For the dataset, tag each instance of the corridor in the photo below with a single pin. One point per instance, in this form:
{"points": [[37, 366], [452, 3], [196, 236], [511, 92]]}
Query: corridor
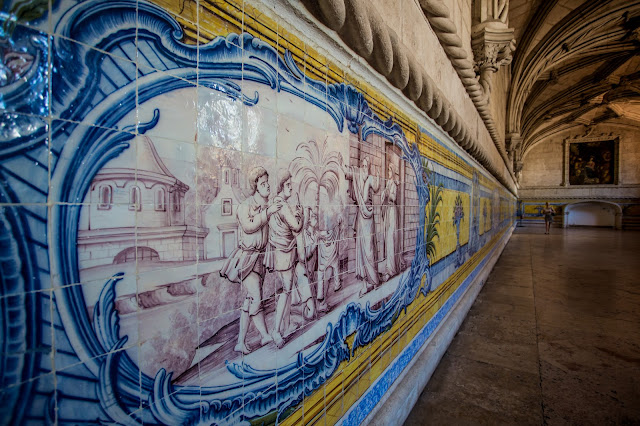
{"points": [[553, 337]]}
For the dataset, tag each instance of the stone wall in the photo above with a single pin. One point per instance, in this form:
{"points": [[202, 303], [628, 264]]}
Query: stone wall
{"points": [[544, 165], [543, 179]]}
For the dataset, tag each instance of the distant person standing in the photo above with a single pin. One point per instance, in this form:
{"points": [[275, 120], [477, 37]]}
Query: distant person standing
{"points": [[548, 213]]}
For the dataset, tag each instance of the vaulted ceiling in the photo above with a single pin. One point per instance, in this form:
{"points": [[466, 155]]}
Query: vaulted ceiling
{"points": [[577, 64]]}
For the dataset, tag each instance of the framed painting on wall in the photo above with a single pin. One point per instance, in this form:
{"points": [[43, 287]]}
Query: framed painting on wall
{"points": [[591, 161]]}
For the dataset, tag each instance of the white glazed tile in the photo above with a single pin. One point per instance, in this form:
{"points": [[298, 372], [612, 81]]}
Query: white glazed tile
{"points": [[220, 120]]}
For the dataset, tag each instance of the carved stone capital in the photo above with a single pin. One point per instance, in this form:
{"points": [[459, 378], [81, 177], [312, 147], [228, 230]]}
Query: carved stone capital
{"points": [[492, 43], [517, 167], [513, 142]]}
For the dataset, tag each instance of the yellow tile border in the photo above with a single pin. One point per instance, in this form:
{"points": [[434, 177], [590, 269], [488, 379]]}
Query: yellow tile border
{"points": [[436, 152], [419, 312]]}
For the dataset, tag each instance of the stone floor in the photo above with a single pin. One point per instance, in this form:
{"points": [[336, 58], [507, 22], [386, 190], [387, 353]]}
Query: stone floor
{"points": [[553, 337]]}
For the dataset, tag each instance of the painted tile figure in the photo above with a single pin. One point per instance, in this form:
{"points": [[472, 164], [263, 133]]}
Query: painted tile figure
{"points": [[245, 265], [328, 261], [458, 216], [280, 258], [363, 184], [307, 245], [393, 259]]}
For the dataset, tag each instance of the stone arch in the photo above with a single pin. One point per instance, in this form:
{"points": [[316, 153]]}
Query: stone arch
{"points": [[576, 206]]}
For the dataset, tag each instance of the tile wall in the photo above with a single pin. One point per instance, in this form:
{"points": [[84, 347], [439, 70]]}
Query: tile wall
{"points": [[204, 220]]}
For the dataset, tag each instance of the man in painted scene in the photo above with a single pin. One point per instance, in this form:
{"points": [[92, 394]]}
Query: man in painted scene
{"points": [[307, 244], [328, 243], [281, 255], [364, 185], [245, 265]]}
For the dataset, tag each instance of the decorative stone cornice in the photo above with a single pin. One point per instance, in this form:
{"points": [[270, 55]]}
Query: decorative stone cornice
{"points": [[361, 27], [439, 17], [588, 136], [622, 193]]}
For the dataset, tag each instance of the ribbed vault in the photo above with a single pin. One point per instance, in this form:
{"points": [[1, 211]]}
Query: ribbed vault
{"points": [[577, 65]]}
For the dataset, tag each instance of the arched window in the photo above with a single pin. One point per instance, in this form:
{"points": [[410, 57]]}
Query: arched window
{"points": [[132, 254], [134, 198], [105, 197], [160, 200], [226, 177]]}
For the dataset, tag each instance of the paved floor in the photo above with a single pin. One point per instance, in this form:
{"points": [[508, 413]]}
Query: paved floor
{"points": [[553, 337]]}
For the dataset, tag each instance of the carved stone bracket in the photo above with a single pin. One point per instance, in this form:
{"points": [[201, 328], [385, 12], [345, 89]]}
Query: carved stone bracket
{"points": [[493, 44], [513, 143], [517, 167], [439, 17]]}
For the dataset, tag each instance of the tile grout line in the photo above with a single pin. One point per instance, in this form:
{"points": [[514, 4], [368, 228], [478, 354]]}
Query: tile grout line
{"points": [[535, 320]]}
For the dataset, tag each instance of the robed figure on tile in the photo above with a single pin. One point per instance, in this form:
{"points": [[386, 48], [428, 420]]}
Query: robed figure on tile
{"points": [[392, 254], [363, 186], [245, 265]]}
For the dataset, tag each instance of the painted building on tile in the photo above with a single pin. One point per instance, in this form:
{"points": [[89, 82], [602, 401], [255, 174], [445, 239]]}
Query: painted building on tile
{"points": [[223, 238], [137, 213], [216, 212]]}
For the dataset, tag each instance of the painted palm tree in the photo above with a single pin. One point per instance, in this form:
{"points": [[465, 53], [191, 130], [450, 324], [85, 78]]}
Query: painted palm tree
{"points": [[433, 215], [316, 168], [458, 216]]}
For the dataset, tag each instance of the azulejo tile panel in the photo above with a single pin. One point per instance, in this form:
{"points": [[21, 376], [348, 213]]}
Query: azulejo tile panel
{"points": [[203, 220]]}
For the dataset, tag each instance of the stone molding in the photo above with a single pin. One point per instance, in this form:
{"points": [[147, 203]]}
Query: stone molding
{"points": [[513, 142], [596, 192], [362, 28], [439, 17]]}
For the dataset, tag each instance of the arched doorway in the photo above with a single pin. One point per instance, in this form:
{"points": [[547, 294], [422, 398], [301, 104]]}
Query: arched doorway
{"points": [[592, 213]]}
